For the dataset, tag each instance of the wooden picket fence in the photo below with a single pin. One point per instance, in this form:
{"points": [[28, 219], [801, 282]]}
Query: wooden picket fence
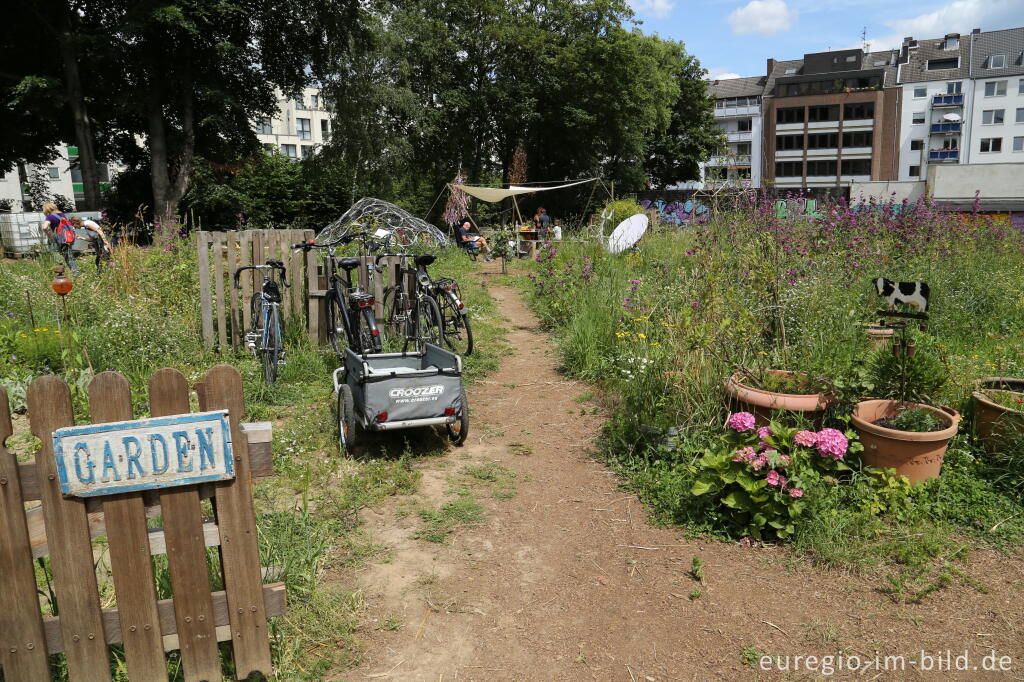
{"points": [[225, 311], [62, 528]]}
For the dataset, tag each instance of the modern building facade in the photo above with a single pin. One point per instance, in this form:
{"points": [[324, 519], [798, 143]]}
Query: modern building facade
{"points": [[63, 175], [302, 124], [738, 114], [997, 115]]}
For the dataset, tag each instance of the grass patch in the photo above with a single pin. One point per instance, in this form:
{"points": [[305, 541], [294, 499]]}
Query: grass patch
{"points": [[438, 524], [500, 479]]}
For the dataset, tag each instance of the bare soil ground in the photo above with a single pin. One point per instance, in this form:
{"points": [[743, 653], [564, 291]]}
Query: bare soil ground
{"points": [[567, 580]]}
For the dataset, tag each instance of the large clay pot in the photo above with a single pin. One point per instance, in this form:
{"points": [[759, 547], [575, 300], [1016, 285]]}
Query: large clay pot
{"points": [[761, 402], [918, 456], [994, 422], [878, 335]]}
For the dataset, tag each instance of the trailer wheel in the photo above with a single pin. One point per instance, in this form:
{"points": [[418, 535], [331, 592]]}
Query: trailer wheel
{"points": [[458, 430], [348, 428]]}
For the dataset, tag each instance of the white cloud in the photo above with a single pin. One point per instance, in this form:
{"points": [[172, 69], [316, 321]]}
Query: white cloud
{"points": [[764, 17], [720, 73], [959, 16], [659, 9]]}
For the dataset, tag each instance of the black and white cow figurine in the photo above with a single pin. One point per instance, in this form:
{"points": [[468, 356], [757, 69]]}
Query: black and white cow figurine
{"points": [[909, 293]]}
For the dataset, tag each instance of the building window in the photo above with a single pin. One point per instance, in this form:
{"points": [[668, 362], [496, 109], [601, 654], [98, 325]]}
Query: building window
{"points": [[821, 168], [918, 117], [823, 141], [788, 142], [53, 172], [995, 88], [743, 125], [916, 145], [920, 92], [952, 43], [790, 71], [951, 143], [954, 88], [743, 149], [992, 116], [860, 138], [299, 103], [1018, 144], [823, 114], [289, 151], [265, 127], [790, 115], [314, 101], [303, 129], [860, 110], [856, 167], [992, 144], [943, 64], [270, 147], [789, 169], [1020, 87], [1020, 115], [325, 130], [307, 151], [915, 171], [997, 61]]}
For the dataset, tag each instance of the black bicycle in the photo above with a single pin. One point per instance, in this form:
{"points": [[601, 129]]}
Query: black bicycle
{"points": [[350, 319], [264, 336], [458, 333], [410, 311]]}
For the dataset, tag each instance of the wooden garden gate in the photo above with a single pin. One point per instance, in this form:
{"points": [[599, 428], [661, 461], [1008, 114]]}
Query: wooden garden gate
{"points": [[196, 617]]}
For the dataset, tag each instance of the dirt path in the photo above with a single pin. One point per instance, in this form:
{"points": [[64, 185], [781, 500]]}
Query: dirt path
{"points": [[567, 581]]}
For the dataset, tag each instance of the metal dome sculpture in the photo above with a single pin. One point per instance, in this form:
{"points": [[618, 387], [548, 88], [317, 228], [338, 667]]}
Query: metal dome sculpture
{"points": [[372, 214]]}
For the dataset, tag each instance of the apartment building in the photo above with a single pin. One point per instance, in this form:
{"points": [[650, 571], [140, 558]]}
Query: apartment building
{"points": [[301, 125], [830, 119], [996, 116], [63, 174], [738, 114]]}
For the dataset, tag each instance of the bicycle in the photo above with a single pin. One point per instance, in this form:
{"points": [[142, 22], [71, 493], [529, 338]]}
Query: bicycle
{"points": [[264, 335], [458, 334], [350, 319], [414, 315]]}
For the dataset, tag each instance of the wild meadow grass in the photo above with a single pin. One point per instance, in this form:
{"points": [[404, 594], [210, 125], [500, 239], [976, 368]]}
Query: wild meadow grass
{"points": [[661, 327], [142, 314]]}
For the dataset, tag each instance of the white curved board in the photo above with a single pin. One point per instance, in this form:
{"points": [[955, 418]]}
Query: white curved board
{"points": [[627, 233]]}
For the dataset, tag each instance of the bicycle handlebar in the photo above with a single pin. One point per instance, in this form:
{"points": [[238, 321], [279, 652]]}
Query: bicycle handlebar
{"points": [[272, 264]]}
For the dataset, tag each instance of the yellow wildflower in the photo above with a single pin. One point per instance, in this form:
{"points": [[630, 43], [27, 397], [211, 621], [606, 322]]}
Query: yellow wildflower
{"points": [[642, 336]]}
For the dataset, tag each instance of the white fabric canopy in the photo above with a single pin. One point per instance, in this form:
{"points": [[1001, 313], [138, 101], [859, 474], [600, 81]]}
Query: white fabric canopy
{"points": [[496, 194]]}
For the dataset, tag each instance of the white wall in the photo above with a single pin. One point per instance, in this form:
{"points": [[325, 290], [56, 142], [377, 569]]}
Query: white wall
{"points": [[1009, 129], [994, 181], [886, 191], [285, 125]]}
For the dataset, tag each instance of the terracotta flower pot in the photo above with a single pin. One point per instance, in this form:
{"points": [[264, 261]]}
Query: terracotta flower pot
{"points": [[761, 402], [992, 421], [918, 456], [878, 335]]}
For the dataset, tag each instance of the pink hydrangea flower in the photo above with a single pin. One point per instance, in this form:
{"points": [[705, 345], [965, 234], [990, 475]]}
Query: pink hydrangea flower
{"points": [[773, 477], [740, 421], [796, 492], [805, 438], [746, 454], [760, 462], [831, 443], [764, 432], [784, 460]]}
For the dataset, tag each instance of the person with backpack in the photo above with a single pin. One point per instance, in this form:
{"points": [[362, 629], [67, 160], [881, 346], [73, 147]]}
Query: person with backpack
{"points": [[62, 234], [90, 236]]}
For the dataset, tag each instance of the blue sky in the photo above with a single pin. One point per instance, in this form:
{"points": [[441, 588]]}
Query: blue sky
{"points": [[735, 37]]}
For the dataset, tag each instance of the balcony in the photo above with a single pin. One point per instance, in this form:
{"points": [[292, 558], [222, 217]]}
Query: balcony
{"points": [[736, 136], [730, 160], [943, 154], [725, 112], [945, 128], [955, 100]]}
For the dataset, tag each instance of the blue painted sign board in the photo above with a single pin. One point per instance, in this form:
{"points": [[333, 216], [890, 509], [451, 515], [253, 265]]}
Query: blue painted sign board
{"points": [[144, 454]]}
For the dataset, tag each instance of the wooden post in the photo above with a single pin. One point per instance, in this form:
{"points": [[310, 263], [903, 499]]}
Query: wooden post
{"points": [[23, 652], [202, 243], [245, 258], [67, 530], [232, 241], [217, 249], [236, 519], [282, 255], [313, 304], [110, 399], [186, 558]]}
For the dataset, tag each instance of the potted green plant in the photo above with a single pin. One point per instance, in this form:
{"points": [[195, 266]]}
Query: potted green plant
{"points": [[761, 392], [998, 408], [901, 429]]}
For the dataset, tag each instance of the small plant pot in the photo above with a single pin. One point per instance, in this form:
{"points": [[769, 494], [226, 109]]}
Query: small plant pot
{"points": [[993, 422], [878, 335], [762, 403], [918, 456]]}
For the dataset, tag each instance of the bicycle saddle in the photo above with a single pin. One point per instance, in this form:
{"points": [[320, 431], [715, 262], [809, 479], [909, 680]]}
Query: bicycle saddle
{"points": [[425, 259], [349, 263]]}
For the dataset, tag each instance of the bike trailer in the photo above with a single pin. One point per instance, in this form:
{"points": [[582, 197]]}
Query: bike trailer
{"points": [[403, 390]]}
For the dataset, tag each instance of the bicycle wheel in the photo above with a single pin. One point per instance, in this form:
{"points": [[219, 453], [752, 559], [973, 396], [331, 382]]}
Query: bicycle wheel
{"points": [[337, 334], [395, 318], [348, 426], [459, 429], [369, 336], [255, 334], [458, 335], [271, 349], [428, 323]]}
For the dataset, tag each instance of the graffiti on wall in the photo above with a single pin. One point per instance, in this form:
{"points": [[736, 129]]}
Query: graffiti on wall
{"points": [[677, 212]]}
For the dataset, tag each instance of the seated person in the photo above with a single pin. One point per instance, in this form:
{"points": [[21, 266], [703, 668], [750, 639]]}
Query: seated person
{"points": [[465, 238]]}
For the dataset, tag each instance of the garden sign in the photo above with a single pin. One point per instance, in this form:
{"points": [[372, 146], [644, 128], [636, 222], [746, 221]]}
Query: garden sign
{"points": [[121, 457]]}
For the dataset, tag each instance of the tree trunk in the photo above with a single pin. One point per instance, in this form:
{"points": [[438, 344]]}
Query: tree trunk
{"points": [[83, 125], [169, 187], [157, 155]]}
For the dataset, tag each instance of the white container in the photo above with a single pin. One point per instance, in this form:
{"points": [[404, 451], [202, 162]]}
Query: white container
{"points": [[20, 234]]}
